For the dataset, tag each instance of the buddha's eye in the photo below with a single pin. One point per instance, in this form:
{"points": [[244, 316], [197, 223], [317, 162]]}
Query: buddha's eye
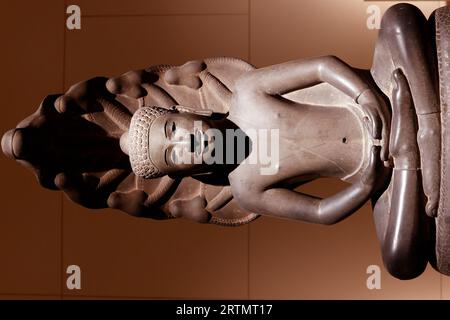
{"points": [[174, 127], [173, 157]]}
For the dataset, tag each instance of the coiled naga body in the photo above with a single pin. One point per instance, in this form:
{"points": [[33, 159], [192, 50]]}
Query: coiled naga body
{"points": [[161, 142]]}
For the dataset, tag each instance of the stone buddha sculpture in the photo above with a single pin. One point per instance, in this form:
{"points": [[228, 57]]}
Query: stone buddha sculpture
{"points": [[219, 141]]}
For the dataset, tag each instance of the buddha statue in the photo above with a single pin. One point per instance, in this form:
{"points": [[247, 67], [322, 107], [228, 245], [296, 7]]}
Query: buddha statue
{"points": [[220, 141]]}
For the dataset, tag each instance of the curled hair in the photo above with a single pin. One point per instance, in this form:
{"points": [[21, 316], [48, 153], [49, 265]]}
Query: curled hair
{"points": [[139, 141]]}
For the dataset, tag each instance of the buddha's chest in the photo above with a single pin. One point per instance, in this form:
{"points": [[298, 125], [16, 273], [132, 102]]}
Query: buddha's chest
{"points": [[297, 139]]}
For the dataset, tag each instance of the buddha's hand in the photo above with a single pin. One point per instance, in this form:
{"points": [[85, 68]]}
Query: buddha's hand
{"points": [[403, 143], [377, 119]]}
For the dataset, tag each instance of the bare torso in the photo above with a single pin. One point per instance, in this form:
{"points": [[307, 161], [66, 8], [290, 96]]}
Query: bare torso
{"points": [[312, 139]]}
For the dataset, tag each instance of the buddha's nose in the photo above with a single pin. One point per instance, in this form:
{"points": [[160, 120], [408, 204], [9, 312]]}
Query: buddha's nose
{"points": [[12, 143]]}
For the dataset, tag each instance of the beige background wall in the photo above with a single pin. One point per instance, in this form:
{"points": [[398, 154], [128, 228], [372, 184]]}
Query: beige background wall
{"points": [[41, 232]]}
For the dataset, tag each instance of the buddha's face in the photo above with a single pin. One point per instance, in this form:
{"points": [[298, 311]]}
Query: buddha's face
{"points": [[181, 142]]}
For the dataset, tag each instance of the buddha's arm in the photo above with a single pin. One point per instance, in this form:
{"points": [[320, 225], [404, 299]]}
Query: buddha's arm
{"points": [[290, 204], [298, 74], [294, 205], [295, 75]]}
